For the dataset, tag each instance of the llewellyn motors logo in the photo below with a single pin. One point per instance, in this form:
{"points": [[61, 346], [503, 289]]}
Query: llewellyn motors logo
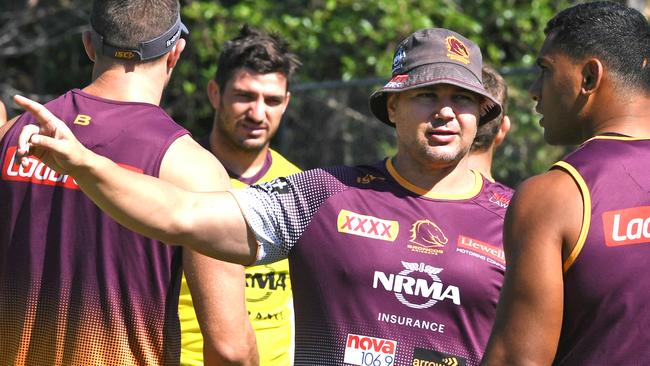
{"points": [[627, 226], [481, 250], [368, 226], [427, 238], [427, 357]]}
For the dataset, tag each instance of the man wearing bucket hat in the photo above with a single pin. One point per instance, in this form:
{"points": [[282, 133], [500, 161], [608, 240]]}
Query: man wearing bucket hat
{"points": [[394, 263], [77, 288]]}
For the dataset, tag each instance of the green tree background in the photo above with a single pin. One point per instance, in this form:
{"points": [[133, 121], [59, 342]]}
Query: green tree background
{"points": [[346, 47]]}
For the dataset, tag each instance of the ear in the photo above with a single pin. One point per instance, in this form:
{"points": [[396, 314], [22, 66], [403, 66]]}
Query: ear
{"points": [[286, 101], [391, 106], [503, 131], [214, 95], [592, 75], [87, 40], [175, 53]]}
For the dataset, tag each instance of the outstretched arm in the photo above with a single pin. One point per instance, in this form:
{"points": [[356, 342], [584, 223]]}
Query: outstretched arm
{"points": [[210, 223], [542, 224]]}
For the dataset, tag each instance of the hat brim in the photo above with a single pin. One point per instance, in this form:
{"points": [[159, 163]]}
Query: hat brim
{"points": [[432, 74]]}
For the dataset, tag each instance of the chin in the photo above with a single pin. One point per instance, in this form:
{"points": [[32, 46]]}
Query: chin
{"points": [[252, 146], [562, 140]]}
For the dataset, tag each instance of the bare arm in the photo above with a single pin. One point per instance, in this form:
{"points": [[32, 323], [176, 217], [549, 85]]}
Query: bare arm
{"points": [[3, 114], [219, 301], [4, 124], [543, 222], [217, 287], [210, 223]]}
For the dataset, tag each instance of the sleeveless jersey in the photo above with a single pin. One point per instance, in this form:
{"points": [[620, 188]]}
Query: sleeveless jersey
{"points": [[606, 280], [268, 293], [76, 288], [383, 273]]}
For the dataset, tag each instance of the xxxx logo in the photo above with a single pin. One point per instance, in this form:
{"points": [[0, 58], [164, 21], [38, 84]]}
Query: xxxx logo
{"points": [[368, 226]]}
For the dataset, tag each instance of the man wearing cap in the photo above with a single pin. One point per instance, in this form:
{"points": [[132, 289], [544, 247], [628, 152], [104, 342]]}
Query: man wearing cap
{"points": [[395, 263], [77, 288]]}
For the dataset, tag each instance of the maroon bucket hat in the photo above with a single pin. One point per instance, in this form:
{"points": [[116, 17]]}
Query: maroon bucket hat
{"points": [[436, 56]]}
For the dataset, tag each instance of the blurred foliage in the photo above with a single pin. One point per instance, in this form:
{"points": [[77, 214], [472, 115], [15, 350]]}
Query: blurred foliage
{"points": [[340, 40]]}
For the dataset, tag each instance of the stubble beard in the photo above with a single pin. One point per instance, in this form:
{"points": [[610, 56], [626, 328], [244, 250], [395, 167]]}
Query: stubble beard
{"points": [[239, 143]]}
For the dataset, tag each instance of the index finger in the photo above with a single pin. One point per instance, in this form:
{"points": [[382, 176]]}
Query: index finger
{"points": [[45, 118]]}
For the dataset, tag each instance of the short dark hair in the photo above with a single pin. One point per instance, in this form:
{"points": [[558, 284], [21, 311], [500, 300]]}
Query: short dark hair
{"points": [[256, 50], [616, 34], [127, 23], [495, 85]]}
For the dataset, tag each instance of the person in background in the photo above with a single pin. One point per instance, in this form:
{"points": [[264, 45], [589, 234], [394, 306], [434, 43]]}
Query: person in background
{"points": [[490, 134], [76, 287], [393, 263], [3, 114], [249, 93], [576, 237]]}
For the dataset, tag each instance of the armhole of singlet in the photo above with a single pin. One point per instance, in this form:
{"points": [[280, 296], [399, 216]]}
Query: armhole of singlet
{"points": [[586, 213]]}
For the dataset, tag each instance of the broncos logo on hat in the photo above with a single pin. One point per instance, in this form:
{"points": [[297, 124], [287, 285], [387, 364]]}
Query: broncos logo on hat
{"points": [[457, 50]]}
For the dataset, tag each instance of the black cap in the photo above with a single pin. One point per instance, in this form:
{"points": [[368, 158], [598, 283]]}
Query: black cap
{"points": [[147, 50]]}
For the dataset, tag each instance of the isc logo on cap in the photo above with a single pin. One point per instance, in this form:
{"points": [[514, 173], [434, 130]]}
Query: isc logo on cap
{"points": [[124, 54]]}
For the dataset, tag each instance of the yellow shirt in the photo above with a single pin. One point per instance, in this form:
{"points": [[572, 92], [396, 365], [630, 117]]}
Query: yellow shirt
{"points": [[268, 300]]}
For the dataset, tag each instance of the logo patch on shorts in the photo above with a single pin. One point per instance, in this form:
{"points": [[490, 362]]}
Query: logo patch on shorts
{"points": [[427, 357]]}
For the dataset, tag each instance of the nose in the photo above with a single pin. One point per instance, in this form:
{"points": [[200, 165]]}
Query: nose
{"points": [[444, 114], [257, 110], [534, 90]]}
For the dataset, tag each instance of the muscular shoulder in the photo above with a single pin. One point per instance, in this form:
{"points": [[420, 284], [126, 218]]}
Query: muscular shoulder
{"points": [[188, 165], [547, 207]]}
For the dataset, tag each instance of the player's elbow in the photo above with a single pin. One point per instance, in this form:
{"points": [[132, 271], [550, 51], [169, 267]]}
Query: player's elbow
{"points": [[231, 354]]}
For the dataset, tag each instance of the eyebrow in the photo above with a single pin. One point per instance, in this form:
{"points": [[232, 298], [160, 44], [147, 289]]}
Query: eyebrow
{"points": [[245, 91]]}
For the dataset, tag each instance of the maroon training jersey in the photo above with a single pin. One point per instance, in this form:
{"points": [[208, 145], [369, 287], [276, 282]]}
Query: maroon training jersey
{"points": [[76, 288], [382, 272], [607, 276]]}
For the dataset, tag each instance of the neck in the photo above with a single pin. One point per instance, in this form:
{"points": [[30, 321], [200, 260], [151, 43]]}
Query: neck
{"points": [[481, 161], [448, 178], [619, 113], [120, 83], [244, 163]]}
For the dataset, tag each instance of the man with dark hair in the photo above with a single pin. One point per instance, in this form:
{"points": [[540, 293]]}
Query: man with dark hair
{"points": [[77, 288], [577, 237], [394, 263], [490, 134], [249, 94]]}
